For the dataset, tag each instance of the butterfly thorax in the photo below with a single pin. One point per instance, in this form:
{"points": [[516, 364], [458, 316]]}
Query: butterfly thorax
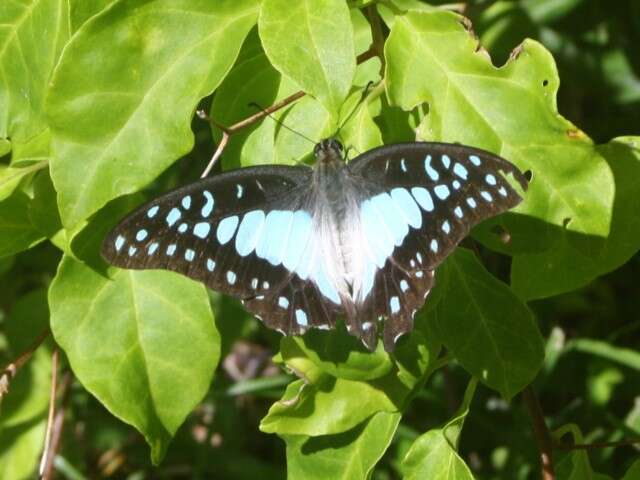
{"points": [[336, 196]]}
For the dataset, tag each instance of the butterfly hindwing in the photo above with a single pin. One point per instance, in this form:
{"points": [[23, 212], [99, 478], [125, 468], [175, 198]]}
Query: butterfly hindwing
{"points": [[425, 197]]}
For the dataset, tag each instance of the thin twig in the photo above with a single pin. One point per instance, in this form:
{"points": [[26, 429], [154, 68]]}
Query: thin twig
{"points": [[10, 370], [56, 429], [541, 433], [593, 446], [52, 411], [228, 131]]}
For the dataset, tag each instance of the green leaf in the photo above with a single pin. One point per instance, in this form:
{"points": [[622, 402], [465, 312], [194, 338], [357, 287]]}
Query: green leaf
{"points": [[566, 266], [311, 41], [17, 233], [11, 177], [43, 209], [83, 10], [573, 465], [361, 132], [347, 455], [24, 408], [472, 102], [309, 118], [28, 396], [20, 447], [5, 147], [321, 404], [434, 454], [329, 405], [143, 342], [634, 471], [32, 34], [624, 356], [36, 149], [338, 354], [253, 80], [123, 94], [486, 326]]}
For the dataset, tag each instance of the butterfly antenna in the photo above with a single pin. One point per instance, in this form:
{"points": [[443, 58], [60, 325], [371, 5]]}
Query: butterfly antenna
{"points": [[363, 99], [281, 123]]}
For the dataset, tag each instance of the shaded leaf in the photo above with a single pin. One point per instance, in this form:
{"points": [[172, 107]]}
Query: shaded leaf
{"points": [[434, 454], [17, 233], [28, 396], [253, 80], [143, 342], [624, 356], [486, 326], [43, 209], [340, 355], [634, 471]]}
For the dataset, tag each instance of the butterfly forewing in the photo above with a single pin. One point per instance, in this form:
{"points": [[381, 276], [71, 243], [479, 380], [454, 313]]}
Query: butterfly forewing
{"points": [[430, 195], [225, 232]]}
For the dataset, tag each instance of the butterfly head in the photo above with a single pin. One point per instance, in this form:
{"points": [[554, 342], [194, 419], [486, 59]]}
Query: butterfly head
{"points": [[329, 151]]}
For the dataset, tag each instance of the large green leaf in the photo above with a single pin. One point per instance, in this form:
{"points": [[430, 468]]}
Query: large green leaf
{"points": [[123, 94], [32, 34], [348, 455], [563, 267], [511, 111], [144, 343], [311, 41], [485, 325], [17, 233]]}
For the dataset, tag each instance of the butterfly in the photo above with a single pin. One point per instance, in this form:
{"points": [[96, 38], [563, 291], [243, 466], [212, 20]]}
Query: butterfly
{"points": [[304, 246]]}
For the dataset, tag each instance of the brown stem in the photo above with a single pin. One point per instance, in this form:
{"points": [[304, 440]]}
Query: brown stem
{"points": [[11, 370], [593, 446], [228, 131], [55, 427], [52, 411], [541, 432]]}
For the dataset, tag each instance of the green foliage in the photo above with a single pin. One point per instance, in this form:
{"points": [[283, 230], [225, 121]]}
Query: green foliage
{"points": [[96, 110]]}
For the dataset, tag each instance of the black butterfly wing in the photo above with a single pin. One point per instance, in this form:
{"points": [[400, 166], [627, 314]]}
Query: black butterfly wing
{"points": [[238, 232], [435, 193]]}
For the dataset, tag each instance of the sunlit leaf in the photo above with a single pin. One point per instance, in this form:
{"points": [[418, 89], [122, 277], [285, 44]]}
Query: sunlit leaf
{"points": [[348, 455], [143, 343], [311, 41], [32, 34], [122, 96]]}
